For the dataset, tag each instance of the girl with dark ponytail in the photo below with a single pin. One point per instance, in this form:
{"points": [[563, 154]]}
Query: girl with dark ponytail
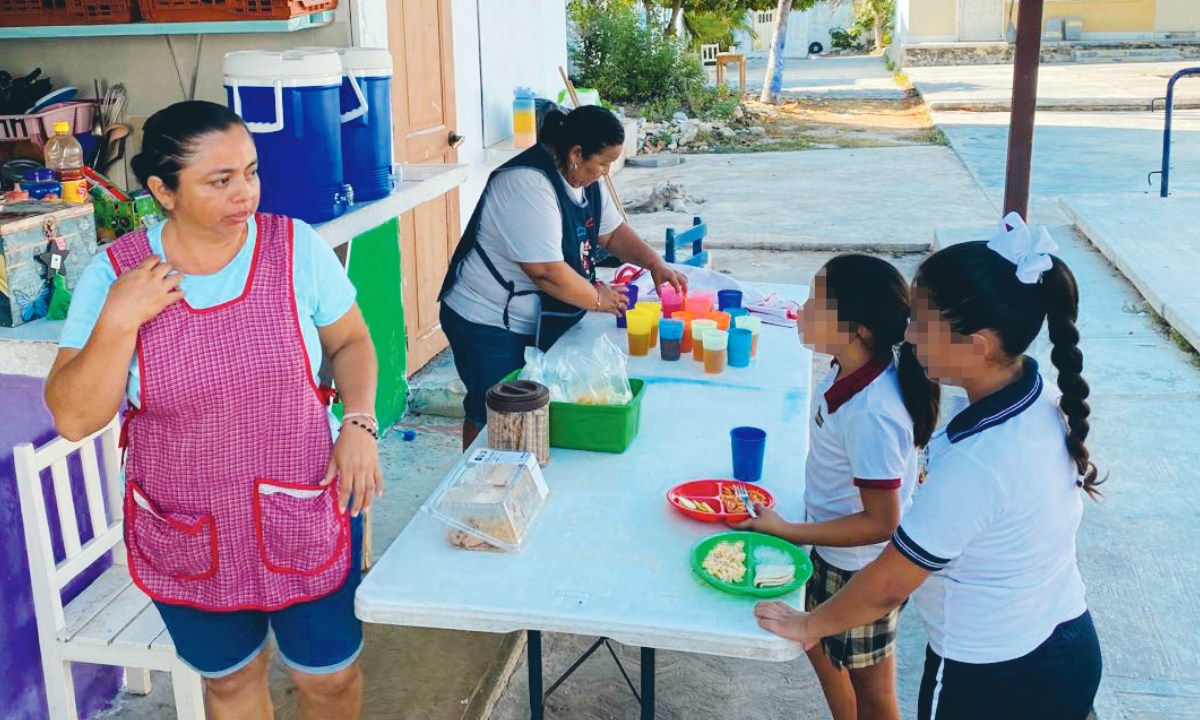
{"points": [[989, 545], [873, 411]]}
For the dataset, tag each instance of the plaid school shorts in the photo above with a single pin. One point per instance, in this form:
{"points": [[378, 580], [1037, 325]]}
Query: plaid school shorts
{"points": [[859, 647]]}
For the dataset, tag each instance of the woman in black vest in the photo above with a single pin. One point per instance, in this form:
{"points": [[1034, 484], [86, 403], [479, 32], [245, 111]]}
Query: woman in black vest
{"points": [[524, 273]]}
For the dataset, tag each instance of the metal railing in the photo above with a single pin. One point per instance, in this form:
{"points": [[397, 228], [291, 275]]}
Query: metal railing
{"points": [[1169, 106]]}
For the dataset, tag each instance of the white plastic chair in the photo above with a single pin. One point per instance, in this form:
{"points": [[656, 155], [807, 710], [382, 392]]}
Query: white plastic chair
{"points": [[708, 54], [111, 622]]}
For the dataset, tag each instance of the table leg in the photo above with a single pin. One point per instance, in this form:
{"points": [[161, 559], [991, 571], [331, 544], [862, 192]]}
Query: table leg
{"points": [[647, 683], [742, 76], [533, 653], [720, 73]]}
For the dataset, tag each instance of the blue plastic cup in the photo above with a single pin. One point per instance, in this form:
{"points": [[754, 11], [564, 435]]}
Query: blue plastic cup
{"points": [[670, 339], [729, 299], [631, 291], [735, 313], [741, 341], [749, 446]]}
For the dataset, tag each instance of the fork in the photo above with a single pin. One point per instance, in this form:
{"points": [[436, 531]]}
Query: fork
{"points": [[744, 495]]}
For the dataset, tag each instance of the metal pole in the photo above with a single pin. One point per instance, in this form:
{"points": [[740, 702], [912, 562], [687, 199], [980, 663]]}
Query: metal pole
{"points": [[1024, 106]]}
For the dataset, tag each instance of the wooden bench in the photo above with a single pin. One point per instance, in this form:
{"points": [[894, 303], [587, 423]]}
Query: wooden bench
{"points": [[693, 236], [112, 622]]}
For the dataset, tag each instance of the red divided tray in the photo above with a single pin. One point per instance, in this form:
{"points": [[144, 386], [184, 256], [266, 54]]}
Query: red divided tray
{"points": [[711, 493], [28, 13], [210, 10]]}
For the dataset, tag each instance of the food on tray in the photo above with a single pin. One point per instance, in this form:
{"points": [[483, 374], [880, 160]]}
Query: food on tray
{"points": [[727, 562], [734, 504], [773, 575], [767, 555], [694, 505], [464, 540]]}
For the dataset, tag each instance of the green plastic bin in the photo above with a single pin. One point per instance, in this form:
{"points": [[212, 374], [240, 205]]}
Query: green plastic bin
{"points": [[595, 428]]}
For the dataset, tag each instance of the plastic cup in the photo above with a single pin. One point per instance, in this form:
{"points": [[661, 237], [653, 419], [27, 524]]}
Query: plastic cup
{"points": [[631, 292], [639, 322], [672, 301], [722, 319], [697, 304], [754, 325], [716, 348], [670, 336], [699, 328], [736, 313], [685, 345], [749, 445], [729, 299], [655, 310], [741, 343]]}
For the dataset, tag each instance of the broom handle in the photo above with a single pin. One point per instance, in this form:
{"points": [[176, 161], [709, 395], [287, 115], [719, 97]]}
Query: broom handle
{"points": [[608, 182]]}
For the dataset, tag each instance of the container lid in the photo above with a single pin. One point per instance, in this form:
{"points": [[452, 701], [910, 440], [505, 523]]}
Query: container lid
{"points": [[39, 175], [316, 64], [62, 127], [518, 396], [372, 60]]}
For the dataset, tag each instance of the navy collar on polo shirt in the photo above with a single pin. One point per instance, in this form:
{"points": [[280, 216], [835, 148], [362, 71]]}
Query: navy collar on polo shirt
{"points": [[841, 391], [1002, 405]]}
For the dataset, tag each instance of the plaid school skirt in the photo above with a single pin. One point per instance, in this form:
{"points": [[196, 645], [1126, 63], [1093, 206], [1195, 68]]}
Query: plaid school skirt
{"points": [[859, 647]]}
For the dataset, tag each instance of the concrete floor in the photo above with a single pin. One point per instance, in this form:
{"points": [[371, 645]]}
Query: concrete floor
{"points": [[856, 77], [882, 198], [1126, 86]]}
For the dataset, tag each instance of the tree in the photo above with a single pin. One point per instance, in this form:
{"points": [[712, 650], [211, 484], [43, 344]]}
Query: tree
{"points": [[881, 13], [773, 82]]}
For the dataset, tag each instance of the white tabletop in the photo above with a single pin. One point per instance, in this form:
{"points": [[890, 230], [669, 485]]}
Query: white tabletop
{"points": [[609, 557]]}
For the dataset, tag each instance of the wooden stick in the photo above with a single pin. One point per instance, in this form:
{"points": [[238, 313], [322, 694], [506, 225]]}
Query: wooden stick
{"points": [[608, 182]]}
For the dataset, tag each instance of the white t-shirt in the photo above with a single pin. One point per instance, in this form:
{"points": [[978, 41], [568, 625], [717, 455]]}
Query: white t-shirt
{"points": [[995, 521], [521, 223], [860, 435]]}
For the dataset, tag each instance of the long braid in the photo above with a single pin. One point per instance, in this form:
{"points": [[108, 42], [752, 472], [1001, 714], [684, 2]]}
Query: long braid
{"points": [[1062, 310]]}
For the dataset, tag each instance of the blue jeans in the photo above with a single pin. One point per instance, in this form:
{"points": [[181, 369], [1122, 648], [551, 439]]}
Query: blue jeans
{"points": [[483, 355]]}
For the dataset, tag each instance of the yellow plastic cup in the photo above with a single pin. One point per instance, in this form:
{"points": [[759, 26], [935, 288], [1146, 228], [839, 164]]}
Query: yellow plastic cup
{"points": [[655, 310], [638, 322]]}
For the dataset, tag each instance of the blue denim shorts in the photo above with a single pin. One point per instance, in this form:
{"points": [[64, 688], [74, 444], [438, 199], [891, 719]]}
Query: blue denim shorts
{"points": [[483, 356], [317, 637]]}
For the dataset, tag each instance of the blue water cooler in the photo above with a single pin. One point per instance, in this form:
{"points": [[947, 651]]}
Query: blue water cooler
{"points": [[366, 107], [290, 101]]}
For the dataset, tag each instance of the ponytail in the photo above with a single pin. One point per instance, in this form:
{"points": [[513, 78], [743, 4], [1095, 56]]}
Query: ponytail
{"points": [[1062, 309], [922, 396]]}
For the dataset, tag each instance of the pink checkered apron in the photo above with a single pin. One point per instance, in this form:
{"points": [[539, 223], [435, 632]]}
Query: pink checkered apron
{"points": [[223, 507]]}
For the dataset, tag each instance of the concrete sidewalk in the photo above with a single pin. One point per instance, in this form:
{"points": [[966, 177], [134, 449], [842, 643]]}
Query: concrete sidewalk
{"points": [[870, 198], [1065, 86], [850, 77]]}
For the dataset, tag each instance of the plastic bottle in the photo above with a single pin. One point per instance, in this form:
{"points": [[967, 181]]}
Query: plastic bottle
{"points": [[524, 118], [64, 155]]}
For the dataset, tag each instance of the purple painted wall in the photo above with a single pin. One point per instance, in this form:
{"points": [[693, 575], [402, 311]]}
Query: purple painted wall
{"points": [[22, 692]]}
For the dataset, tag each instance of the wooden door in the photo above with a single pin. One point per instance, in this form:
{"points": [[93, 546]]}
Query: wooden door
{"points": [[419, 36]]}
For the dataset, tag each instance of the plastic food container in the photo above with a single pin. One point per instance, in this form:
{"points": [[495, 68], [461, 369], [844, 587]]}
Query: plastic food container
{"points": [[518, 414], [491, 501], [595, 428]]}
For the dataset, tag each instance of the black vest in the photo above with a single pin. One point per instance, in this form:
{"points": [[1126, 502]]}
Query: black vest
{"points": [[580, 238]]}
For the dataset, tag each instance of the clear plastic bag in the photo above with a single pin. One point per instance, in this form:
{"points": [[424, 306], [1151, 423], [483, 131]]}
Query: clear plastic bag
{"points": [[573, 377]]}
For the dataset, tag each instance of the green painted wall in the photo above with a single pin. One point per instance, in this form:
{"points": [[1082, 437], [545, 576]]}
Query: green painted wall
{"points": [[375, 271]]}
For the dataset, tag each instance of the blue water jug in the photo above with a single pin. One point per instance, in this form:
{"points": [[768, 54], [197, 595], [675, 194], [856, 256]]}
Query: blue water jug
{"points": [[289, 101], [366, 107]]}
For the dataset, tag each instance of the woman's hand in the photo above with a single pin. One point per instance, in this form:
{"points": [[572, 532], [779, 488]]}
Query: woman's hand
{"points": [[140, 294], [786, 622], [610, 301], [355, 463], [665, 274]]}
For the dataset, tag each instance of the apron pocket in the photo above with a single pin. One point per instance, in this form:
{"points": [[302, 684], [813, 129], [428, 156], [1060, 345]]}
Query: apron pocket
{"points": [[300, 531], [181, 545]]}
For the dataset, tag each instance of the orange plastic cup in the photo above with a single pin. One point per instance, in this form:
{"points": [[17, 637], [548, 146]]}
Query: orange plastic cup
{"points": [[700, 328], [723, 319], [685, 345]]}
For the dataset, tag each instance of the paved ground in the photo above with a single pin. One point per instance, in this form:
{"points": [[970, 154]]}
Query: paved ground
{"points": [[848, 77], [1124, 86], [888, 198]]}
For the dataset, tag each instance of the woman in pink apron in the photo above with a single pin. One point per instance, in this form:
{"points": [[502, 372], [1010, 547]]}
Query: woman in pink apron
{"points": [[242, 512]]}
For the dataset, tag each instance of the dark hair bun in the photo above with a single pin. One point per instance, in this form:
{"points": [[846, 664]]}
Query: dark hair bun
{"points": [[169, 138], [591, 128]]}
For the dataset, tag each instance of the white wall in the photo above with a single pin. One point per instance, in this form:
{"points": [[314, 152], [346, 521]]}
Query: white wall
{"points": [[804, 28], [498, 46]]}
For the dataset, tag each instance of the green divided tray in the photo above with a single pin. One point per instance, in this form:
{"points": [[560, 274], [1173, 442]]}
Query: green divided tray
{"points": [[804, 567], [595, 428]]}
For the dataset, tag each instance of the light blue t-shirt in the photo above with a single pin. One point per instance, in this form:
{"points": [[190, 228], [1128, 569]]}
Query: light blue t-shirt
{"points": [[323, 292]]}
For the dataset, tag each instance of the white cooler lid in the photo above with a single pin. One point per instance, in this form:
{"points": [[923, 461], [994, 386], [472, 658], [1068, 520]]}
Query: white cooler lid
{"points": [[372, 62], [304, 66]]}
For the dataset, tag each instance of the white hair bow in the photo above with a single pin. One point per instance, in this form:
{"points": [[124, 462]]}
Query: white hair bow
{"points": [[1026, 247]]}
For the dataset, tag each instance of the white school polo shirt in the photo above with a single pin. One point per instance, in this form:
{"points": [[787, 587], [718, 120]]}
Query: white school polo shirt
{"points": [[860, 436], [995, 521]]}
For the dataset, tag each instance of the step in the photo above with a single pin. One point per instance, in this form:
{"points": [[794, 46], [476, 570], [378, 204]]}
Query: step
{"points": [[1103, 55]]}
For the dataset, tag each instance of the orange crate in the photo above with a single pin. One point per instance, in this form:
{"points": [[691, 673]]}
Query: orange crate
{"points": [[210, 10], [26, 13]]}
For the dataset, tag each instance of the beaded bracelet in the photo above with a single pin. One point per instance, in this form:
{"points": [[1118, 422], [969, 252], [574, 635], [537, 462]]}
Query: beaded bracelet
{"points": [[369, 417], [364, 426]]}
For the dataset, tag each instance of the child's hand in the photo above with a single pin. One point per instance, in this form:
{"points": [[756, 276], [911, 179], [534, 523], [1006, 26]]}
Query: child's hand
{"points": [[786, 622], [768, 522]]}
